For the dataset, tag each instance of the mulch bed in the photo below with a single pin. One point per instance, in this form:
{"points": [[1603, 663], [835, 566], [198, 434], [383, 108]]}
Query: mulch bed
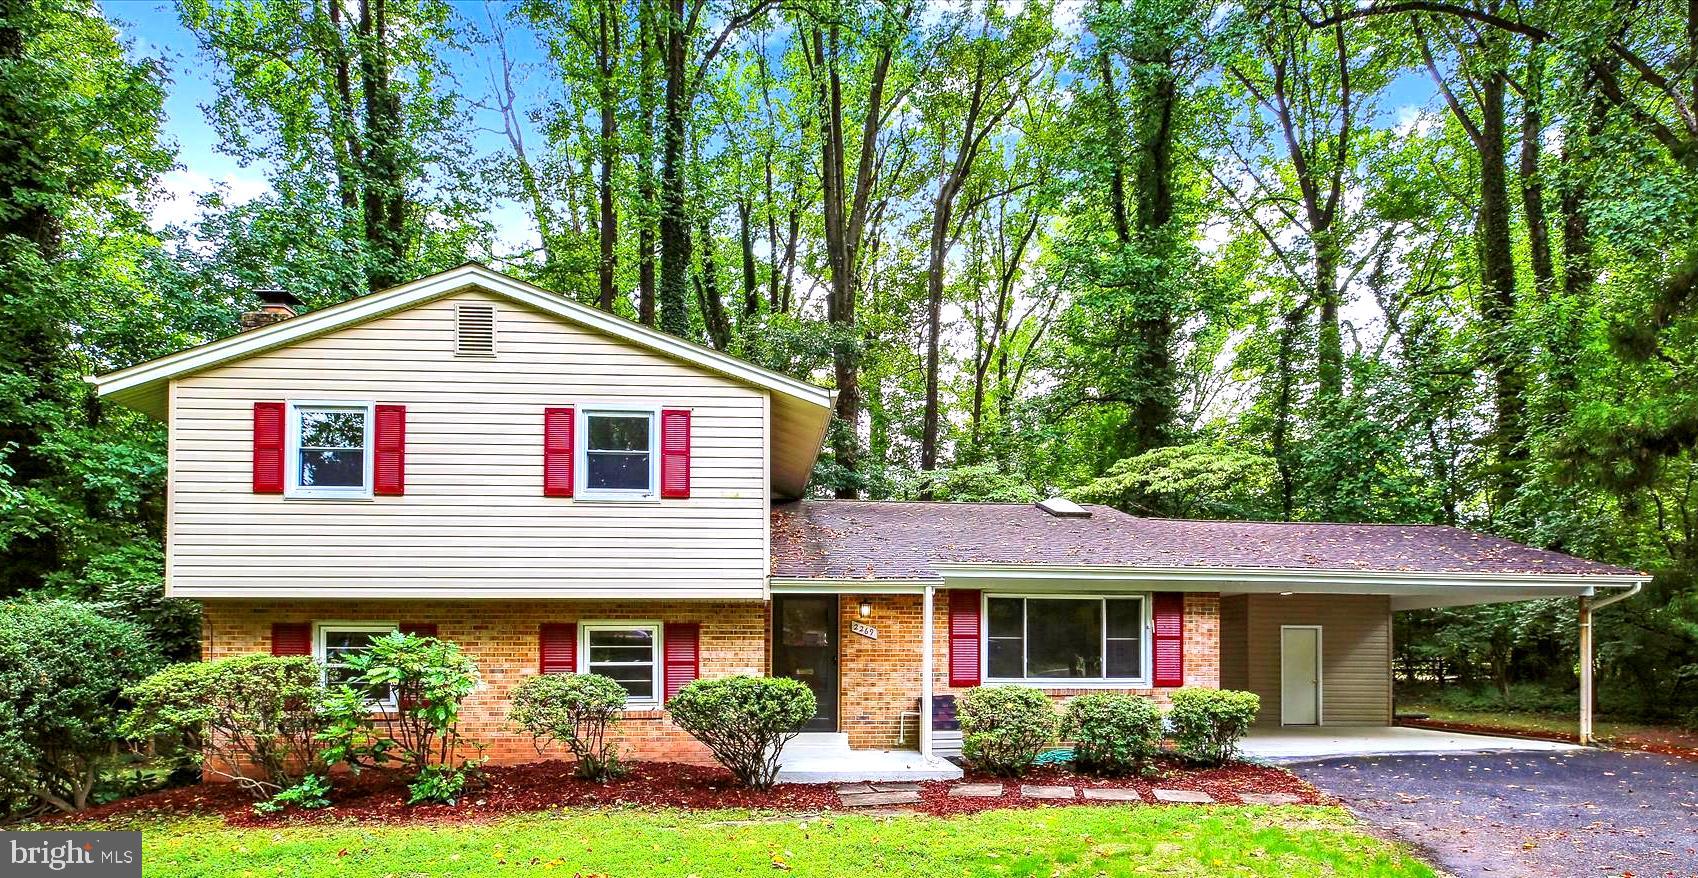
{"points": [[376, 797], [1672, 743]]}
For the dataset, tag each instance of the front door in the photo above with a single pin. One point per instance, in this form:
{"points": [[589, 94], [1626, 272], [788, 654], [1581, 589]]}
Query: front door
{"points": [[1300, 675], [804, 647]]}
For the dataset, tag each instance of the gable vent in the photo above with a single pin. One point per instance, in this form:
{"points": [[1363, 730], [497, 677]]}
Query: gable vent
{"points": [[474, 331]]}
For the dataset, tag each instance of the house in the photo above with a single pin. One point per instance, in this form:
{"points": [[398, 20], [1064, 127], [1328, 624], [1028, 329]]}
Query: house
{"points": [[557, 489]]}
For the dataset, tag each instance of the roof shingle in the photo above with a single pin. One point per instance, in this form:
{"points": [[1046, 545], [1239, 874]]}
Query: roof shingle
{"points": [[850, 539]]}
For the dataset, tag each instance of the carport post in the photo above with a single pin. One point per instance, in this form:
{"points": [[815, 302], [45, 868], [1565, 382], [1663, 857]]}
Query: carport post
{"points": [[1585, 669]]}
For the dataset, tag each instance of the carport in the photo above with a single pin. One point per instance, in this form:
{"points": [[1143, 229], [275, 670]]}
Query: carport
{"points": [[1291, 744]]}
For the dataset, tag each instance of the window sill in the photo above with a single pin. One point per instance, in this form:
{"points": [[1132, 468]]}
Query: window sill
{"points": [[616, 499], [333, 497], [1066, 683]]}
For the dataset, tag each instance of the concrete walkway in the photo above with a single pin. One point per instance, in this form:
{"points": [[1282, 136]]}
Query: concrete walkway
{"points": [[1310, 744], [825, 757]]}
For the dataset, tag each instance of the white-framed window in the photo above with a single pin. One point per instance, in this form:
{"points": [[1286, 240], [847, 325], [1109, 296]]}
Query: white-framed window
{"points": [[330, 449], [620, 453], [628, 653], [335, 642], [1067, 640]]}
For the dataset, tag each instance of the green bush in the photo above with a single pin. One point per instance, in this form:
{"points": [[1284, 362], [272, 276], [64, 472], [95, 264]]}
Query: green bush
{"points": [[744, 721], [1003, 728], [310, 793], [403, 706], [442, 784], [253, 719], [63, 672], [1208, 723], [575, 711], [1112, 733]]}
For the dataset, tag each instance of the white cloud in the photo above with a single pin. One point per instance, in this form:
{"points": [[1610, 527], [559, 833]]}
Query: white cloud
{"points": [[177, 199]]}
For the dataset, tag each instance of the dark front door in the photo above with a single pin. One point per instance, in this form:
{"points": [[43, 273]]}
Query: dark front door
{"points": [[804, 647]]}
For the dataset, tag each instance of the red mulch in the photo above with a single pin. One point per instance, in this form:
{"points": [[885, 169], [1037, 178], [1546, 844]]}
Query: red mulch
{"points": [[1670, 743], [380, 797]]}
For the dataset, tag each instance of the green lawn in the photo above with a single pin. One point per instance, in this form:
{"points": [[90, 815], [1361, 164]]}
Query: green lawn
{"points": [[1083, 841]]}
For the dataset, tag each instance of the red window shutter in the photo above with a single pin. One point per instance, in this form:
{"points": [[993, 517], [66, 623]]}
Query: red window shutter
{"points": [[389, 467], [421, 629], [557, 445], [557, 648], [1168, 644], [291, 638], [675, 454], [683, 645], [963, 638], [268, 447]]}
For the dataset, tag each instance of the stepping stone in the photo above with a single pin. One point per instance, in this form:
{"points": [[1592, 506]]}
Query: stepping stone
{"points": [[1036, 792], [902, 787], [851, 788], [868, 800], [1268, 798], [1112, 795], [975, 791], [1192, 796]]}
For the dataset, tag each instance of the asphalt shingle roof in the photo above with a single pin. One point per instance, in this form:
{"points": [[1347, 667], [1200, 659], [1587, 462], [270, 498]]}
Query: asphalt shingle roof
{"points": [[852, 539]]}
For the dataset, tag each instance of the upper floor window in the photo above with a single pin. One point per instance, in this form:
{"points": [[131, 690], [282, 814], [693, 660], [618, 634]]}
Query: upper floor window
{"points": [[330, 450], [619, 454], [1065, 638]]}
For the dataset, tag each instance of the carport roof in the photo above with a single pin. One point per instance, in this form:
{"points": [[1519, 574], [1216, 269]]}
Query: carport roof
{"points": [[887, 540]]}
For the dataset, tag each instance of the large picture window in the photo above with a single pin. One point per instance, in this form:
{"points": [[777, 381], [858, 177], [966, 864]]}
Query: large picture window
{"points": [[1065, 638], [330, 447], [619, 454], [627, 653]]}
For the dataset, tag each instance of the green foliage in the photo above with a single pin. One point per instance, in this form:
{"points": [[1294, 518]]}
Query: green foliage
{"points": [[438, 784], [1113, 733], [1003, 728], [252, 719], [64, 669], [310, 793], [1207, 724], [402, 705], [1199, 480], [745, 721], [576, 711]]}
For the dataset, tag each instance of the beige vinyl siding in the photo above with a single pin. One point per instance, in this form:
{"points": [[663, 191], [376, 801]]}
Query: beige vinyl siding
{"points": [[1234, 652], [1355, 651], [473, 520]]}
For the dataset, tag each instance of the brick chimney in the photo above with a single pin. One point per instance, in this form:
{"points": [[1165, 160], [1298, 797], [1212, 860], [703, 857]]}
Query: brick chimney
{"points": [[275, 305]]}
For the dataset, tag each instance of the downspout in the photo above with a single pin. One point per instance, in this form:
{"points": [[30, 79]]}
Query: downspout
{"points": [[926, 672], [1587, 607]]}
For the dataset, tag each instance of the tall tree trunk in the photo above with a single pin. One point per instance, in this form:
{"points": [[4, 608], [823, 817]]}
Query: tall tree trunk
{"points": [[751, 284], [674, 223], [607, 230], [384, 183], [708, 294], [1532, 184], [652, 36], [1153, 412], [1497, 299]]}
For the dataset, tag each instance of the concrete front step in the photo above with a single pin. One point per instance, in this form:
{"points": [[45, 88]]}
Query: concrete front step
{"points": [[819, 765]]}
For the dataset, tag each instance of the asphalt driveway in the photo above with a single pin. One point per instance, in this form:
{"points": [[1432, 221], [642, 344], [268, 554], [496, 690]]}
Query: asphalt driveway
{"points": [[1541, 815]]}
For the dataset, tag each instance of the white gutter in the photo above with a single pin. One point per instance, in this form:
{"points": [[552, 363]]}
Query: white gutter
{"points": [[1588, 606]]}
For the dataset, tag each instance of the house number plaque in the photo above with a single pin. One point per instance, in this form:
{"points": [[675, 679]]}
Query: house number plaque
{"points": [[864, 630]]}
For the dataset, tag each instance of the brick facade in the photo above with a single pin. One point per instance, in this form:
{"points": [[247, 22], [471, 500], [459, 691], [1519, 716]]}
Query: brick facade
{"points": [[501, 636], [878, 678]]}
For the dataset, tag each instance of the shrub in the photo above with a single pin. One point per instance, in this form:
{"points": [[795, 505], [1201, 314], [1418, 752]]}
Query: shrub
{"points": [[1112, 733], [1209, 723], [1003, 728], [63, 672], [253, 719], [310, 792], [745, 721], [576, 711], [402, 706]]}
